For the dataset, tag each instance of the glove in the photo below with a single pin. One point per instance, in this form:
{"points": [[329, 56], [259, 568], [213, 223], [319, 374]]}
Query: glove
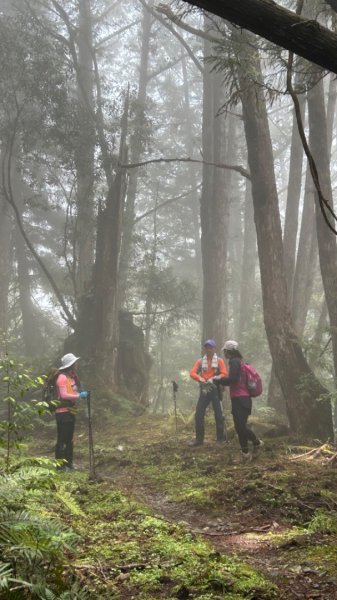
{"points": [[83, 394]]}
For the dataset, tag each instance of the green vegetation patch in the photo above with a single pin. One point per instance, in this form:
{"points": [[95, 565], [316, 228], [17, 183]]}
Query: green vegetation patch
{"points": [[131, 552]]}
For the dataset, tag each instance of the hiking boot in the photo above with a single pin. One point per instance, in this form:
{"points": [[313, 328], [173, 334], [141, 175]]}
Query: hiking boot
{"points": [[246, 457], [195, 443], [258, 447]]}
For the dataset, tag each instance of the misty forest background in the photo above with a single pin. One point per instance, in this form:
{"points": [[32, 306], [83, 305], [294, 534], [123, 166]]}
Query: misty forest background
{"points": [[155, 192]]}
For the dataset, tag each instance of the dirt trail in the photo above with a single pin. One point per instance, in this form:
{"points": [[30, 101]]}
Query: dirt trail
{"points": [[231, 536]]}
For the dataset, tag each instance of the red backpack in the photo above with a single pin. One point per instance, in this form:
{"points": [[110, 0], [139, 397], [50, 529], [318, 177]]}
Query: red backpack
{"points": [[253, 380]]}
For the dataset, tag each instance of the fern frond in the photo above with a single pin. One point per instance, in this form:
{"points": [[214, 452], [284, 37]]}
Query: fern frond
{"points": [[32, 536], [66, 498], [6, 579]]}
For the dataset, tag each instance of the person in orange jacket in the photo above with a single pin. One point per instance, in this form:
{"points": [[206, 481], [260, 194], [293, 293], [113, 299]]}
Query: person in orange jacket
{"points": [[207, 371]]}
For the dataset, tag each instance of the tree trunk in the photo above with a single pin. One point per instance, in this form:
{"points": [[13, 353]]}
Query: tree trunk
{"points": [[136, 148], [307, 241], [275, 398], [134, 362], [30, 320], [5, 261], [331, 109], [96, 334], [307, 414], [84, 153], [248, 287], [194, 203], [235, 247], [213, 210], [283, 27], [327, 248], [293, 199], [321, 329]]}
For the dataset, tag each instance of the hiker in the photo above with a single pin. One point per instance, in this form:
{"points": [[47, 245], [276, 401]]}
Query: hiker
{"points": [[240, 399], [203, 371], [68, 385]]}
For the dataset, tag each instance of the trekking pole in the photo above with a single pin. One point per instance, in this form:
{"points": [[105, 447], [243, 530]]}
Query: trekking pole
{"points": [[224, 418], [175, 389], [92, 474]]}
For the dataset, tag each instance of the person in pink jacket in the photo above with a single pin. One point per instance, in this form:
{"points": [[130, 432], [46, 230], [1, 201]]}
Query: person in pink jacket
{"points": [[68, 392], [240, 399]]}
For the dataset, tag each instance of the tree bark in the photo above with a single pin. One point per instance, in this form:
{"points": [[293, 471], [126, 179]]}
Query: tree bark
{"points": [[213, 210], [327, 248], [96, 334], [85, 149], [194, 203], [293, 200], [275, 398], [249, 257], [5, 260], [31, 331], [304, 37], [136, 148], [235, 227], [307, 413], [306, 258]]}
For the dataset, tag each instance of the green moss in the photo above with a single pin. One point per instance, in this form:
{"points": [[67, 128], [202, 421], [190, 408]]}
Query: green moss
{"points": [[160, 553]]}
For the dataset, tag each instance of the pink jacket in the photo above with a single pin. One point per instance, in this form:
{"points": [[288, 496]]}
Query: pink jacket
{"points": [[239, 388], [66, 390]]}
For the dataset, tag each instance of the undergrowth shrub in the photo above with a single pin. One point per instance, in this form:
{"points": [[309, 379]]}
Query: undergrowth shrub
{"points": [[36, 547]]}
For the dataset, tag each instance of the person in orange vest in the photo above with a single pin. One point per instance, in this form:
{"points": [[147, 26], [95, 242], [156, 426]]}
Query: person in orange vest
{"points": [[206, 371]]}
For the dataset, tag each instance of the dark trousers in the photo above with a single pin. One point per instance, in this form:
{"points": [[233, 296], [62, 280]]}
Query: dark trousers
{"points": [[65, 423], [213, 396], [241, 409]]}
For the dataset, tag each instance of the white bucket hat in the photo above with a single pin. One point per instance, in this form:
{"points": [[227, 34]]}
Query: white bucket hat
{"points": [[230, 345], [67, 360]]}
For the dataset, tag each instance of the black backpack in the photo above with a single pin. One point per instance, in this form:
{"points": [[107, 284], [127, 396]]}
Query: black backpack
{"points": [[49, 390]]}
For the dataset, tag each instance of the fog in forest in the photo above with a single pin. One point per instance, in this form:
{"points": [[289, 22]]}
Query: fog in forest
{"points": [[155, 192]]}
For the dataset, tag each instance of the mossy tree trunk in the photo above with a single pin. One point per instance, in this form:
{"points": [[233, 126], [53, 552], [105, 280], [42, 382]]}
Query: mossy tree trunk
{"points": [[308, 412]]}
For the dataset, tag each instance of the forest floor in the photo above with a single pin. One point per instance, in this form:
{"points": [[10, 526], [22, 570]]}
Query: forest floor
{"points": [[165, 520]]}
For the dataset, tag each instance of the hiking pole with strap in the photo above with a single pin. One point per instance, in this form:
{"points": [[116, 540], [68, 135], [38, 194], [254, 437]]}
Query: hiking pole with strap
{"points": [[175, 389], [92, 474], [223, 416]]}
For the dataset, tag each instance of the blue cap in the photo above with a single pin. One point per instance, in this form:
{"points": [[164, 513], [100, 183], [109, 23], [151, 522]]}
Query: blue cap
{"points": [[210, 343]]}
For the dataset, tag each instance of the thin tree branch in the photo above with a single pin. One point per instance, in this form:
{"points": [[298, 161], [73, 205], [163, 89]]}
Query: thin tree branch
{"points": [[175, 33], [106, 12], [161, 70], [236, 168], [109, 37], [165, 203], [168, 12], [160, 312]]}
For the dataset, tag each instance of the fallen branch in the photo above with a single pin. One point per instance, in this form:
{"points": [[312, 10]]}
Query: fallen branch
{"points": [[312, 453], [132, 567]]}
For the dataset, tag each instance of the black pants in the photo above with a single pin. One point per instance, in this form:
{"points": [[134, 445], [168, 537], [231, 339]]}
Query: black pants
{"points": [[213, 396], [65, 423], [241, 409]]}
